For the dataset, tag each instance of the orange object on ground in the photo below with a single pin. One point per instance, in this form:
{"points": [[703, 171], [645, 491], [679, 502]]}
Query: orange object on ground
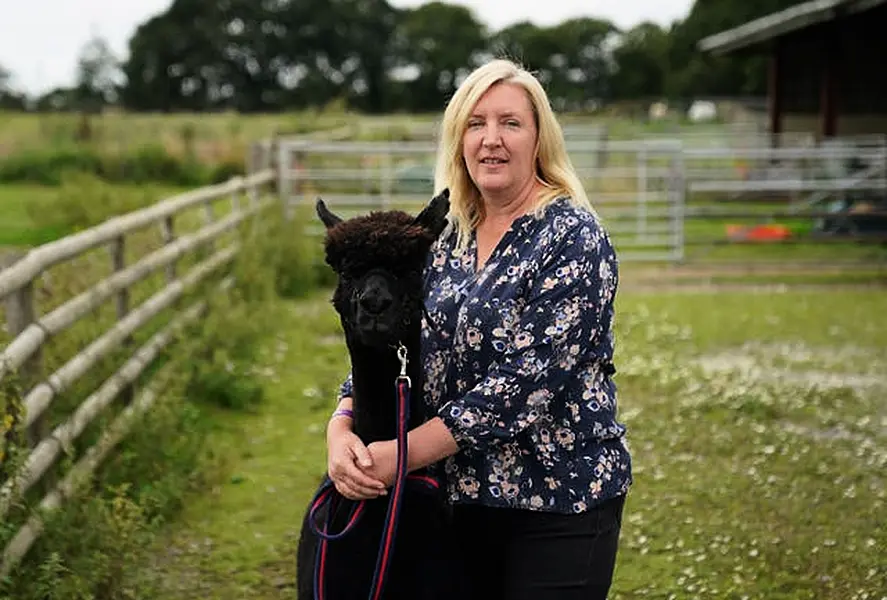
{"points": [[758, 233]]}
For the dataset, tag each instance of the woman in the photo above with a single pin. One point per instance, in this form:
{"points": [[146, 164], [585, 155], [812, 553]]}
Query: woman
{"points": [[520, 289]]}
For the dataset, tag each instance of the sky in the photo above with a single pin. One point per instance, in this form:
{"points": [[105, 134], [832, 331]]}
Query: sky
{"points": [[41, 39]]}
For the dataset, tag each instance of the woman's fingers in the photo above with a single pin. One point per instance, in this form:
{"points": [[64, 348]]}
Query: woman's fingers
{"points": [[350, 480], [349, 472], [361, 454], [360, 478], [346, 491], [356, 492]]}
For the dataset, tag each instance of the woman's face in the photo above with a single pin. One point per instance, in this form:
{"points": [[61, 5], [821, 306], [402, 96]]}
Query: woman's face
{"points": [[499, 144]]}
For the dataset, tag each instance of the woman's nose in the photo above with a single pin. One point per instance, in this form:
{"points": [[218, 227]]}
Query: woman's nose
{"points": [[491, 137]]}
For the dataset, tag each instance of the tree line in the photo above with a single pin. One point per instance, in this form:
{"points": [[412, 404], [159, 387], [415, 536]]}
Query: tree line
{"points": [[248, 56]]}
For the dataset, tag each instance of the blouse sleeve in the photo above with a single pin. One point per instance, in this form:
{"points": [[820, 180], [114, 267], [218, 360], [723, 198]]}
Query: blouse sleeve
{"points": [[556, 331], [345, 389]]}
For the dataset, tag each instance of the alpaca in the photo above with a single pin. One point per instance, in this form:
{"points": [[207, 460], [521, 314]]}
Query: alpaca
{"points": [[379, 259]]}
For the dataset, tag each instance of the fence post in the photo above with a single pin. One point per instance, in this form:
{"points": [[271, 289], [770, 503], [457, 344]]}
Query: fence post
{"points": [[260, 160], [168, 235], [208, 218], [121, 302], [257, 161], [275, 151], [283, 175], [642, 183], [678, 193], [20, 313], [294, 192]]}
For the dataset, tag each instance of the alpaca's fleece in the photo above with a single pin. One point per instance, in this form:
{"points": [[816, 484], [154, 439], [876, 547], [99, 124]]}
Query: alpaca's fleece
{"points": [[389, 241]]}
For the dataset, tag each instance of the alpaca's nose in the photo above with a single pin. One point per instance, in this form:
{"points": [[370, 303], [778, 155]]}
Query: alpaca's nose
{"points": [[375, 301]]}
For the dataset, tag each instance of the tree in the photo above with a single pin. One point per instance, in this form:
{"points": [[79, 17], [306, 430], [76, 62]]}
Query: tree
{"points": [[531, 46], [584, 60], [59, 99], [365, 51], [641, 62], [271, 55], [251, 56], [98, 76], [195, 57], [5, 76], [9, 98], [436, 45]]}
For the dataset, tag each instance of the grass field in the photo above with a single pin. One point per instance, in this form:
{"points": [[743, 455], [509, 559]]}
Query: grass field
{"points": [[122, 130], [211, 135], [756, 417], [757, 426], [27, 210], [17, 228]]}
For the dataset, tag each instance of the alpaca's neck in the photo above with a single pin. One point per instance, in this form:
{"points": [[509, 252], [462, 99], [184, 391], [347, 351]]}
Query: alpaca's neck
{"points": [[374, 373]]}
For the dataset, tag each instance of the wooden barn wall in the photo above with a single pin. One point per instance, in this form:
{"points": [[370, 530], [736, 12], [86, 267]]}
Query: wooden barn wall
{"points": [[856, 45], [800, 68], [862, 78]]}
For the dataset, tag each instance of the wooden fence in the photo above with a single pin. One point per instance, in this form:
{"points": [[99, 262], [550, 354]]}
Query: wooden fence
{"points": [[30, 331]]}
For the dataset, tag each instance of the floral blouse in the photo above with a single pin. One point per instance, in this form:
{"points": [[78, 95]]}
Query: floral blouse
{"points": [[518, 364]]}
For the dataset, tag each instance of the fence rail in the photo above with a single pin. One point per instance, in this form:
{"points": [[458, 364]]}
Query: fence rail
{"points": [[652, 192], [637, 185], [30, 332]]}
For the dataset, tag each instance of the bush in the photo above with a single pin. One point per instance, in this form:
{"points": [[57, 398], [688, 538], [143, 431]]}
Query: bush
{"points": [[151, 163], [47, 167], [294, 260], [154, 163], [84, 200], [227, 169]]}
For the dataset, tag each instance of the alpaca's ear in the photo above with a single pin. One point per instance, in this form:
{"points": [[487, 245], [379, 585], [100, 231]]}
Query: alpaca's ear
{"points": [[434, 216], [328, 218]]}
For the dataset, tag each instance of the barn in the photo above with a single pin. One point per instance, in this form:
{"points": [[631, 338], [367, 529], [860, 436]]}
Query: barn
{"points": [[827, 60]]}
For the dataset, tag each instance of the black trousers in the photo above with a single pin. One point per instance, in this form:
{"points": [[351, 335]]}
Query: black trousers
{"points": [[529, 555]]}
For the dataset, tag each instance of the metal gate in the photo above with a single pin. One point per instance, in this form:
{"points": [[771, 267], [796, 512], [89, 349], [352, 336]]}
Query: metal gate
{"points": [[637, 187]]}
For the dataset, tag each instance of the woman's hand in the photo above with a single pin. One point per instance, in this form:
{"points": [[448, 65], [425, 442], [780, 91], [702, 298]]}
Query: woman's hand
{"points": [[349, 463], [384, 465]]}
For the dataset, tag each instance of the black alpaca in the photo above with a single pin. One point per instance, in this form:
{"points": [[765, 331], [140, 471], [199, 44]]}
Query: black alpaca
{"points": [[379, 259]]}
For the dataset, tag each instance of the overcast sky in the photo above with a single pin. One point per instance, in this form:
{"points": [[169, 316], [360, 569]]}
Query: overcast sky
{"points": [[40, 39]]}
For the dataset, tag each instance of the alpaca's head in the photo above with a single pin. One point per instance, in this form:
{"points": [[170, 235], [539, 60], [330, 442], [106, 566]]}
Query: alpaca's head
{"points": [[379, 259]]}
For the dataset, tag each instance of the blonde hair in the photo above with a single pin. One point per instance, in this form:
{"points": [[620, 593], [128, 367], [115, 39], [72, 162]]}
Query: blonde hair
{"points": [[553, 166]]}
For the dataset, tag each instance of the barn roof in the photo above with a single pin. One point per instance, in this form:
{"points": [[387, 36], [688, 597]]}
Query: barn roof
{"points": [[780, 23]]}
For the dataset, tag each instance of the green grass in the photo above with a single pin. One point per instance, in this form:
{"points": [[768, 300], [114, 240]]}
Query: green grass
{"points": [[238, 540], [17, 227], [757, 426], [21, 205], [760, 461]]}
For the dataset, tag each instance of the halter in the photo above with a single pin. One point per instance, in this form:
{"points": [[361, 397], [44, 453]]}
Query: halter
{"points": [[327, 494]]}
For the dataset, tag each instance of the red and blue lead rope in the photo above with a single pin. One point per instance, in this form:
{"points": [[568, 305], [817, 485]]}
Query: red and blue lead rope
{"points": [[328, 494]]}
